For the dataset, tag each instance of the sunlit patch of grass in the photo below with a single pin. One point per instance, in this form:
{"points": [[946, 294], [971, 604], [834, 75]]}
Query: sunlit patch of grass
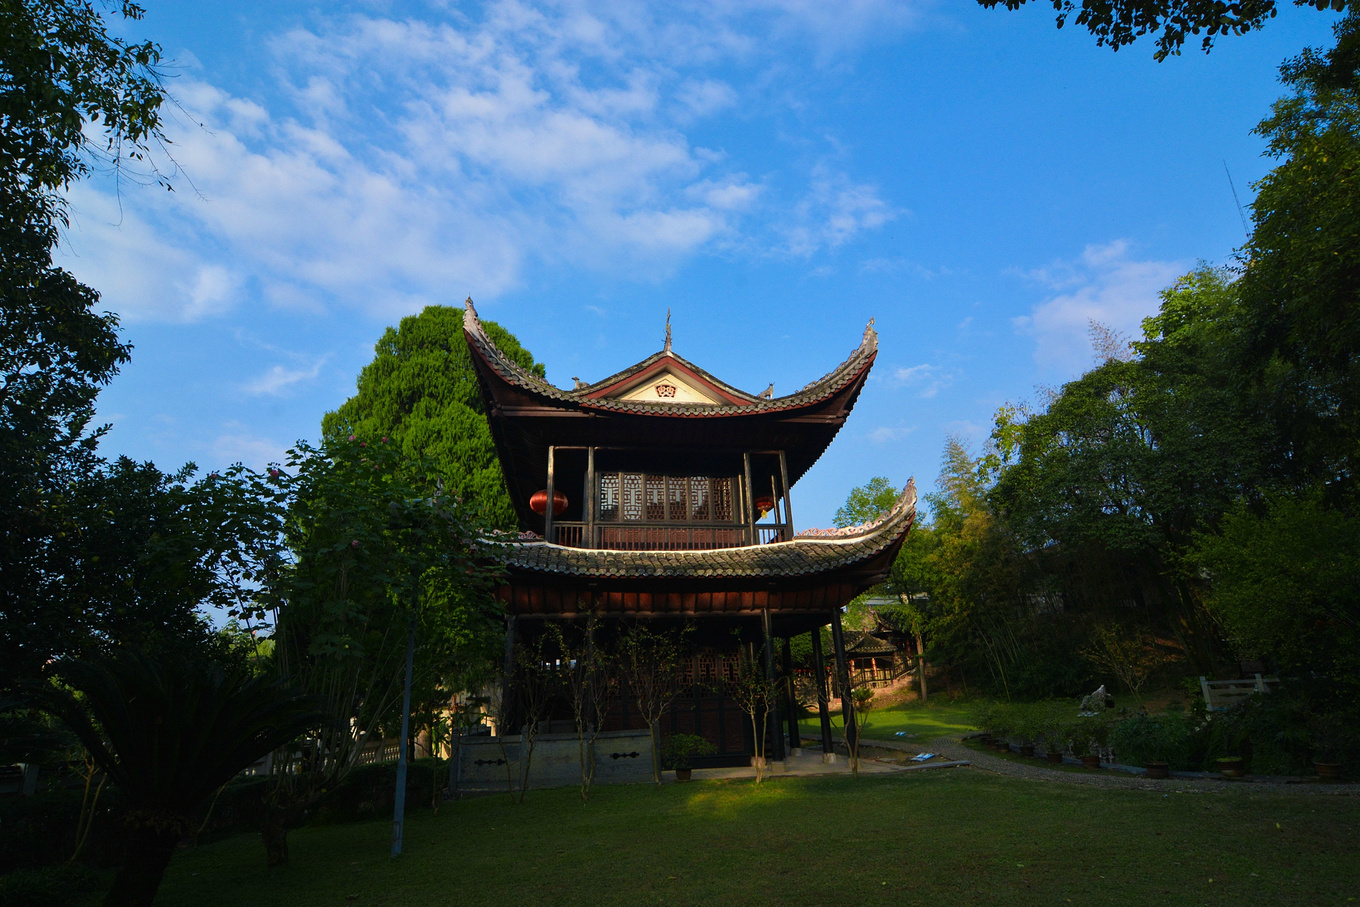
{"points": [[912, 721]]}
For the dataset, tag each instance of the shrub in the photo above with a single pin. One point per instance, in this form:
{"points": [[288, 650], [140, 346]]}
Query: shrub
{"points": [[1145, 738]]}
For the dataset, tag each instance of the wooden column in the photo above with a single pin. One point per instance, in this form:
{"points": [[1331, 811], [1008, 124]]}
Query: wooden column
{"points": [[823, 713], [548, 513], [790, 700], [749, 493], [788, 505], [508, 682], [588, 501], [843, 679], [774, 737]]}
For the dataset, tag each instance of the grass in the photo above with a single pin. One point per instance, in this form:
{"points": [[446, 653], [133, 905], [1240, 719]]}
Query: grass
{"points": [[937, 838], [936, 718]]}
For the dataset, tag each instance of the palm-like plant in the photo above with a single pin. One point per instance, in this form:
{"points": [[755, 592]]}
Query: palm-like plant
{"points": [[170, 731]]}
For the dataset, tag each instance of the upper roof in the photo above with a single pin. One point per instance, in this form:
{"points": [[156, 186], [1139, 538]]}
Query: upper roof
{"points": [[617, 393]]}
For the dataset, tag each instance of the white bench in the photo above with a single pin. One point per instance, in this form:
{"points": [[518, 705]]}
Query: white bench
{"points": [[1224, 694]]}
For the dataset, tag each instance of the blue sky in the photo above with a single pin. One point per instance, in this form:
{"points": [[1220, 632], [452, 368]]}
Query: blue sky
{"points": [[775, 172]]}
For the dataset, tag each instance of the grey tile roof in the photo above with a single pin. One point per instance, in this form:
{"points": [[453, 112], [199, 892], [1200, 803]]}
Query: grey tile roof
{"points": [[800, 557], [824, 387]]}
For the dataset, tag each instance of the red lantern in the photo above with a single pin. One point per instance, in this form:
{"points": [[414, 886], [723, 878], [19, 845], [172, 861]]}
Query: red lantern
{"points": [[539, 503], [765, 504]]}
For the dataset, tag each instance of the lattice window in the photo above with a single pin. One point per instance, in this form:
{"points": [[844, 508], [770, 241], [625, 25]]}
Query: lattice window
{"points": [[722, 500], [609, 496], [656, 499], [698, 499], [631, 496], [675, 499], [641, 498]]}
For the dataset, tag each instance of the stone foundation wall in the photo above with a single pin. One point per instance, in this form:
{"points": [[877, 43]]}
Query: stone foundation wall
{"points": [[621, 757]]}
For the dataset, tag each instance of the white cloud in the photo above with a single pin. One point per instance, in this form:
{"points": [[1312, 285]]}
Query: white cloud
{"points": [[1104, 285], [239, 445], [407, 161], [280, 378], [834, 211], [885, 433], [925, 380]]}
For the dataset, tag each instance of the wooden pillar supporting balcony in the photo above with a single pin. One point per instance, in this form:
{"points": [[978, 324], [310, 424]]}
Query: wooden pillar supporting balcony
{"points": [[548, 513], [788, 505], [843, 679], [774, 735], [823, 713], [790, 700]]}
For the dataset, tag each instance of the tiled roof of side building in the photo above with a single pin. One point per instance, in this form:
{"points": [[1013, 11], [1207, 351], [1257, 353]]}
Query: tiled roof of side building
{"points": [[800, 557], [818, 390]]}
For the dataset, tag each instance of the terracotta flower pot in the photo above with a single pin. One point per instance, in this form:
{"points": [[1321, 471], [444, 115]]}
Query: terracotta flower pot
{"points": [[1090, 761], [683, 774], [1055, 757], [1158, 770], [1232, 766], [1328, 771], [1027, 749]]}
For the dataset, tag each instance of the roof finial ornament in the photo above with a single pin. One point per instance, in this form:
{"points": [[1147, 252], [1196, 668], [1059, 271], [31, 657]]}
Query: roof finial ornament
{"points": [[869, 328], [468, 304], [768, 393], [668, 330]]}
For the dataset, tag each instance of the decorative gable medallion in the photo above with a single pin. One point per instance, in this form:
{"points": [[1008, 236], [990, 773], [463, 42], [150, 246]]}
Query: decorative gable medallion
{"points": [[668, 386]]}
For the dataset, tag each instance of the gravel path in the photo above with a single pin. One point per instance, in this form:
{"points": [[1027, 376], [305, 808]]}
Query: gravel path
{"points": [[952, 748]]}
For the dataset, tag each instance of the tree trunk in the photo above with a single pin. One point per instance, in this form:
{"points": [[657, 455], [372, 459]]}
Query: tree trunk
{"points": [[921, 664], [148, 853], [274, 833]]}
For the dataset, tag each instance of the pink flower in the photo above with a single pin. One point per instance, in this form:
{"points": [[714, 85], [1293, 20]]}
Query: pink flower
{"points": [[363, 443], [351, 437], [384, 439], [274, 473], [354, 544]]}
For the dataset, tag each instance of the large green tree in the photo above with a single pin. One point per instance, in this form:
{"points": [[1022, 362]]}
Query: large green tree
{"points": [[1301, 285], [1118, 23], [421, 392]]}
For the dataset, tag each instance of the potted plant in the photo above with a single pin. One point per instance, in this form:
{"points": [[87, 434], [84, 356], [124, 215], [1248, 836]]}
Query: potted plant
{"points": [[1331, 738], [1093, 733], [679, 749], [1048, 727], [1232, 766], [1153, 741], [1027, 727]]}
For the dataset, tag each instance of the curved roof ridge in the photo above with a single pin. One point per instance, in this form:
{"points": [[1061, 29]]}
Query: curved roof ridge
{"points": [[509, 369], [906, 502], [819, 389]]}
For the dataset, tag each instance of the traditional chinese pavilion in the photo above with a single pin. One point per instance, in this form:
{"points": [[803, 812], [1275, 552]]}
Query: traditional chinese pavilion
{"points": [[662, 493]]}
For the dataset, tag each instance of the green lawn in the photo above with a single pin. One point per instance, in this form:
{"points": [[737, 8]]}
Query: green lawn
{"points": [[930, 838], [936, 718]]}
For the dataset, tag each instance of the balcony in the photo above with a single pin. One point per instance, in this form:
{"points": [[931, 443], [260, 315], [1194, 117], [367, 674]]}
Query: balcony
{"points": [[637, 536]]}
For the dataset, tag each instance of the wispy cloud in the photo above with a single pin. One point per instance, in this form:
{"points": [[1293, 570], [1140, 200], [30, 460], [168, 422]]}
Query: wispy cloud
{"points": [[1104, 285], [408, 161], [925, 380], [885, 433], [280, 378]]}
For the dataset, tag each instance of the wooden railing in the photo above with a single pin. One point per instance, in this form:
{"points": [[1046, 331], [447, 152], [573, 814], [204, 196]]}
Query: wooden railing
{"points": [[663, 536]]}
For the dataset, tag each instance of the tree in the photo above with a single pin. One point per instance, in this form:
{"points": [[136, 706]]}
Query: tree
{"points": [[1301, 285], [71, 97], [421, 392], [867, 503], [757, 695], [648, 660], [380, 552], [1118, 23], [1286, 585], [169, 731]]}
